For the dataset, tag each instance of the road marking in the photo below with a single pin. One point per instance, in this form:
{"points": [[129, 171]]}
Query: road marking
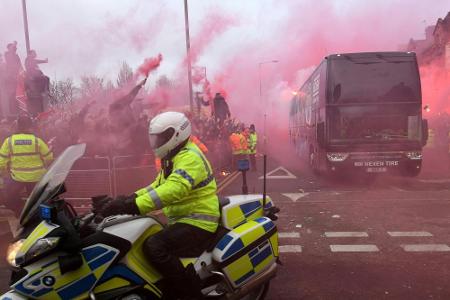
{"points": [[435, 180], [408, 233], [333, 234], [295, 196], [290, 249], [354, 248], [293, 234], [288, 175], [223, 186], [426, 248], [396, 188], [230, 176]]}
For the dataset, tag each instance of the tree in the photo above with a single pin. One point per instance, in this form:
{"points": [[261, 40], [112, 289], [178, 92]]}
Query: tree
{"points": [[164, 81], [91, 86], [125, 76], [62, 92]]}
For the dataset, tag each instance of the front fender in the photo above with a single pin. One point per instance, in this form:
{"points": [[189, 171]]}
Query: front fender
{"points": [[11, 295]]}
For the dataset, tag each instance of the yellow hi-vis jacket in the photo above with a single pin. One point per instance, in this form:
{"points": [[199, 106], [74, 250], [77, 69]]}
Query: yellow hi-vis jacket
{"points": [[188, 194], [26, 156], [252, 141]]}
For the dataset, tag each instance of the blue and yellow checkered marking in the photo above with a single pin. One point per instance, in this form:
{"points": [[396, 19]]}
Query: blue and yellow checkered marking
{"points": [[93, 252], [123, 272], [252, 263], [226, 239], [78, 287], [234, 248], [250, 208], [257, 258], [73, 284]]}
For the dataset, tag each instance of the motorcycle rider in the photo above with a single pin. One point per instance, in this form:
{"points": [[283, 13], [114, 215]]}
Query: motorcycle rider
{"points": [[185, 189]]}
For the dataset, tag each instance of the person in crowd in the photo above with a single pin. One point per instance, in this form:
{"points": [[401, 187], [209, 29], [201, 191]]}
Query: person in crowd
{"points": [[123, 120], [13, 66], [23, 160], [221, 109], [32, 64], [252, 142], [237, 143], [186, 190]]}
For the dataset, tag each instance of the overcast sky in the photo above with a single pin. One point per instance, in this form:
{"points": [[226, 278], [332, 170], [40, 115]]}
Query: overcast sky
{"points": [[94, 36]]}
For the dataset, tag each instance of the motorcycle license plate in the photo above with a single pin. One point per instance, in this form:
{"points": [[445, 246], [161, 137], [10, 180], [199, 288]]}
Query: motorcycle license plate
{"points": [[376, 170]]}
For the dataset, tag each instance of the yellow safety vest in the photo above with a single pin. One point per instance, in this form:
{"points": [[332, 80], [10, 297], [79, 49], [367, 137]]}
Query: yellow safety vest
{"points": [[236, 144], [26, 156], [188, 194], [252, 141]]}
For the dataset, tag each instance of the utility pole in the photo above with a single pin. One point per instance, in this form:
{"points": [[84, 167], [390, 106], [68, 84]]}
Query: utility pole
{"points": [[261, 102], [25, 25], [188, 50]]}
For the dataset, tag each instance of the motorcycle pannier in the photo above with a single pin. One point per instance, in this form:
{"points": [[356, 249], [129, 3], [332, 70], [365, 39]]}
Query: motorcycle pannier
{"points": [[242, 208], [247, 250]]}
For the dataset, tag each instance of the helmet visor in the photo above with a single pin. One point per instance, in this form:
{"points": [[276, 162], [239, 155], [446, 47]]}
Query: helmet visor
{"points": [[157, 140]]}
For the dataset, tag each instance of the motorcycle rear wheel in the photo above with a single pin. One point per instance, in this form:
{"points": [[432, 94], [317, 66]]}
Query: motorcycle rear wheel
{"points": [[259, 293]]}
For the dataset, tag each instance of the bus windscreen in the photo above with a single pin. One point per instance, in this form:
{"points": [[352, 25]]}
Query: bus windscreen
{"points": [[374, 79]]}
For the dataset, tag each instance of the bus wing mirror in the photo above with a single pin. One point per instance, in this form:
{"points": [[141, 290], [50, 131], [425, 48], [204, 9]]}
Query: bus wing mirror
{"points": [[321, 134], [424, 132]]}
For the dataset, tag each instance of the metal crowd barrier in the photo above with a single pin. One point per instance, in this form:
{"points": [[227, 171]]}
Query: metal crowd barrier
{"points": [[89, 176], [122, 175], [132, 172]]}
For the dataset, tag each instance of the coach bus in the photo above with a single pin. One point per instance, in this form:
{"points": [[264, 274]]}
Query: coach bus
{"points": [[361, 112]]}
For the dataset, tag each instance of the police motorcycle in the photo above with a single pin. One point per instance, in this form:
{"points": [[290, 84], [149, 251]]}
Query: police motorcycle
{"points": [[60, 255]]}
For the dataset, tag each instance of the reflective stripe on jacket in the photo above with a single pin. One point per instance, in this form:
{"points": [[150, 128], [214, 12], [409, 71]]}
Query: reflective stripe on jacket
{"points": [[252, 141], [188, 194], [26, 156]]}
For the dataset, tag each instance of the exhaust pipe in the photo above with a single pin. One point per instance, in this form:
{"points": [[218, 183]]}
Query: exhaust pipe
{"points": [[250, 286]]}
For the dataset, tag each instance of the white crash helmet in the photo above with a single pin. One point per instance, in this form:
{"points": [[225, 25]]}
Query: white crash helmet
{"points": [[167, 131]]}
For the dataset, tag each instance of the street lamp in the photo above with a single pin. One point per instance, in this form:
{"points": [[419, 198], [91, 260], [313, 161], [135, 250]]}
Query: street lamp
{"points": [[260, 100]]}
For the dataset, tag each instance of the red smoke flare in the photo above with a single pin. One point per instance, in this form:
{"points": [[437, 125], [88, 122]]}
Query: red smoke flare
{"points": [[150, 64]]}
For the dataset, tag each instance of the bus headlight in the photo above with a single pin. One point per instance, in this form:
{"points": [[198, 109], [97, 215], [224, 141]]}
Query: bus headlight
{"points": [[12, 251], [414, 155], [337, 156]]}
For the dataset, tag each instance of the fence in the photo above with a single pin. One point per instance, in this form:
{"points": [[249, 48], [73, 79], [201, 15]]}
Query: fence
{"points": [[122, 175]]}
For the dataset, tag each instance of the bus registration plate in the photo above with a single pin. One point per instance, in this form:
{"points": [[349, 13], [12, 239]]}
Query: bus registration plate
{"points": [[376, 170]]}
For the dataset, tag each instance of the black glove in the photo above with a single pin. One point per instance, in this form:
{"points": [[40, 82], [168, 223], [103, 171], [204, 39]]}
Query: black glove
{"points": [[122, 205], [98, 202]]}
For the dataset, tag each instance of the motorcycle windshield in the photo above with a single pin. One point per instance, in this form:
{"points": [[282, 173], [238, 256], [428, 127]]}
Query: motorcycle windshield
{"points": [[52, 182]]}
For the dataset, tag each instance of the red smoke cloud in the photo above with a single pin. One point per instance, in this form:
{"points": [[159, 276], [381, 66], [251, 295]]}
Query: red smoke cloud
{"points": [[436, 88], [211, 27], [149, 65]]}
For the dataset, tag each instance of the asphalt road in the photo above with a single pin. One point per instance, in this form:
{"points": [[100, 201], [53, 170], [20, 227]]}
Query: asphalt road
{"points": [[386, 238]]}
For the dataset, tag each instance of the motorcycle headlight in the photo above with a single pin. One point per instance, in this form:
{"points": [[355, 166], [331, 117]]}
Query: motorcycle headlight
{"points": [[337, 156], [414, 155], [11, 253], [39, 247]]}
